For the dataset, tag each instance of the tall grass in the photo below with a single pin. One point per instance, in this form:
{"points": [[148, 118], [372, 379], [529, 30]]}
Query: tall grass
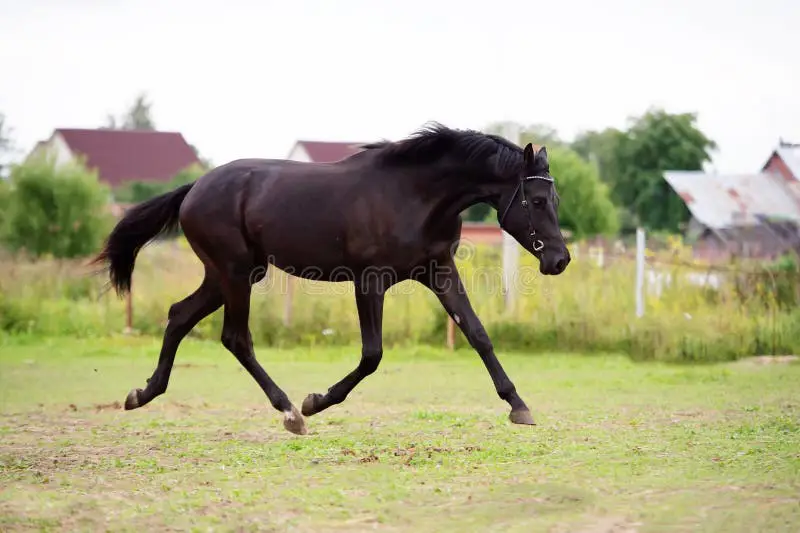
{"points": [[588, 308]]}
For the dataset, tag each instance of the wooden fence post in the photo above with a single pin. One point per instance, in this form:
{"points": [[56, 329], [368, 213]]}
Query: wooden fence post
{"points": [[129, 310], [451, 333], [288, 301], [640, 249], [511, 249]]}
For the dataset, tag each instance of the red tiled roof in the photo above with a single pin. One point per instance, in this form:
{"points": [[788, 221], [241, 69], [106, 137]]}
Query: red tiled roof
{"points": [[329, 152], [125, 155]]}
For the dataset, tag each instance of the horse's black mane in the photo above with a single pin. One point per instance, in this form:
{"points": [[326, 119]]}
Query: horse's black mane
{"points": [[435, 140]]}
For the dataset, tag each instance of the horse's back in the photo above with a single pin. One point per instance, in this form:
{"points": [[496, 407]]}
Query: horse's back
{"points": [[314, 216], [243, 179], [291, 210]]}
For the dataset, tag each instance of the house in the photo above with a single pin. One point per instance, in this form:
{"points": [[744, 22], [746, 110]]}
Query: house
{"points": [[121, 156], [784, 161], [323, 151], [742, 215]]}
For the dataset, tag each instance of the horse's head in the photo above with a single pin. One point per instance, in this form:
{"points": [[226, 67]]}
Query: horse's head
{"points": [[529, 212]]}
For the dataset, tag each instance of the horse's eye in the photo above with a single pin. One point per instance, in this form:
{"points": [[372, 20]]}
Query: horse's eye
{"points": [[538, 202]]}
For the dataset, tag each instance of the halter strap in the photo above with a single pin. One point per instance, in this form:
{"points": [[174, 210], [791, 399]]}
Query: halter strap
{"points": [[536, 244]]}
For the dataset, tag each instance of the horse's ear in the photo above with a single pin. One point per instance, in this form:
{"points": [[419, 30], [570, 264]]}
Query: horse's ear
{"points": [[528, 154], [541, 156]]}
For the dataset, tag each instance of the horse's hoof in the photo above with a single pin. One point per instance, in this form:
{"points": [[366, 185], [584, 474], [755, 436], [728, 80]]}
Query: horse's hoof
{"points": [[522, 417], [311, 403], [294, 422], [132, 401]]}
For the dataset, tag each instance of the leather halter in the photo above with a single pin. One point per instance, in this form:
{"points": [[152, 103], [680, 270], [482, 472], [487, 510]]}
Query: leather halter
{"points": [[536, 244]]}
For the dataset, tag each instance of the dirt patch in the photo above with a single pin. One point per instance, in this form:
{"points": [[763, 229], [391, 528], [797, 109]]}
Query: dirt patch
{"points": [[407, 454], [98, 407], [180, 405], [115, 405], [771, 359], [430, 450], [258, 437], [44, 463], [611, 525]]}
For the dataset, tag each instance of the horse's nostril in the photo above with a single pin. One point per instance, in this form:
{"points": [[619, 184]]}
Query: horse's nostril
{"points": [[561, 265]]}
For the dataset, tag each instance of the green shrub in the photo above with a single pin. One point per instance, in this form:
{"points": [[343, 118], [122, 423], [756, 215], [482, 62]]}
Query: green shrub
{"points": [[58, 210], [134, 192], [5, 202]]}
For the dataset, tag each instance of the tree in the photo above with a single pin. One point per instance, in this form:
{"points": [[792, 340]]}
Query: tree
{"points": [[5, 190], [537, 133], [478, 213], [187, 175], [135, 192], [5, 135], [55, 209], [6, 144], [656, 142], [600, 148], [632, 162], [585, 207], [138, 117], [5, 203], [111, 123]]}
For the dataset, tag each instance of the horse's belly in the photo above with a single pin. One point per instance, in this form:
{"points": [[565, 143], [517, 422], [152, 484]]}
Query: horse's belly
{"points": [[315, 271]]}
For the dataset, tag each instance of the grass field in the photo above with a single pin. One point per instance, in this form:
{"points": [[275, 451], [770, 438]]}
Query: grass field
{"points": [[424, 444]]}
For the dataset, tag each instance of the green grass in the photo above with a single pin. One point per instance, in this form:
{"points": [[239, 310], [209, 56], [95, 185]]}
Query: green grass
{"points": [[424, 444]]}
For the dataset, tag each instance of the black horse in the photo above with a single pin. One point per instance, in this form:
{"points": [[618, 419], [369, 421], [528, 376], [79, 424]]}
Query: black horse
{"points": [[388, 214]]}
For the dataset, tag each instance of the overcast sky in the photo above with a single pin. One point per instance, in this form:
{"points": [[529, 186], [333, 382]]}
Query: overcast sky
{"points": [[247, 78]]}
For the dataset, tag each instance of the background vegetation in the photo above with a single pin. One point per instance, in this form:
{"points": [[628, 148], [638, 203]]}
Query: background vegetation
{"points": [[53, 210], [586, 309]]}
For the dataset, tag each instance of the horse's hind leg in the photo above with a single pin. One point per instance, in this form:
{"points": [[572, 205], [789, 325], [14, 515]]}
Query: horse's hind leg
{"points": [[237, 339], [183, 316], [369, 302]]}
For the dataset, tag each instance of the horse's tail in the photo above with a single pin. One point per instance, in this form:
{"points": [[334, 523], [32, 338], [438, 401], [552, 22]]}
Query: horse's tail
{"points": [[140, 225]]}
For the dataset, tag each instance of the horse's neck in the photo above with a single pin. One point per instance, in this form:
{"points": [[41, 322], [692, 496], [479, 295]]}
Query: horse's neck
{"points": [[453, 190]]}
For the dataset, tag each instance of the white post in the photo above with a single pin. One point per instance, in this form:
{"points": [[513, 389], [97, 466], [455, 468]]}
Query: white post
{"points": [[510, 245], [510, 264], [640, 272]]}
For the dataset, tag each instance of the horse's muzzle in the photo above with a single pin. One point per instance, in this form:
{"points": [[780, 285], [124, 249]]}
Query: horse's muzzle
{"points": [[554, 264]]}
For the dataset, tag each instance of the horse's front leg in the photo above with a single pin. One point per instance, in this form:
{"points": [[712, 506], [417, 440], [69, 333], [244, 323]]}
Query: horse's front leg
{"points": [[445, 282], [369, 302]]}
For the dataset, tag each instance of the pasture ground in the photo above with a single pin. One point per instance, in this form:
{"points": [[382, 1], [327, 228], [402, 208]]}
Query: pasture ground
{"points": [[424, 444]]}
